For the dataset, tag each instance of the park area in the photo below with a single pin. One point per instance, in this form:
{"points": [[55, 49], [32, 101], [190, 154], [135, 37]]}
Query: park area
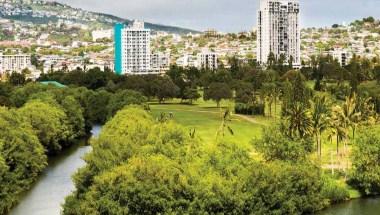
{"points": [[207, 119]]}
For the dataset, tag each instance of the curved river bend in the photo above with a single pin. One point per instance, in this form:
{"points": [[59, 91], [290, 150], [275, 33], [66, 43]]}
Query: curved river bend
{"points": [[49, 192], [55, 183]]}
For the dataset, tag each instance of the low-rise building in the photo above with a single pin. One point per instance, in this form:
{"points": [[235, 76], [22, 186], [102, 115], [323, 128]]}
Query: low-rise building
{"points": [[14, 63], [160, 62], [342, 56], [187, 61], [101, 34], [208, 60]]}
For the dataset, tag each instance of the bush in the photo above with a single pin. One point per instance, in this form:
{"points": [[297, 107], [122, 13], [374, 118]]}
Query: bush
{"points": [[333, 191], [245, 109], [274, 145], [365, 162]]}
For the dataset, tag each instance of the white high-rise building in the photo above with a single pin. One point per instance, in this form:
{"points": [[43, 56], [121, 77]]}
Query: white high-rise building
{"points": [[132, 49], [278, 31]]}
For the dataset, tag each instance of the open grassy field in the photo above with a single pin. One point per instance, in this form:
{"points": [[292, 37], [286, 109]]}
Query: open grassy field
{"points": [[206, 119]]}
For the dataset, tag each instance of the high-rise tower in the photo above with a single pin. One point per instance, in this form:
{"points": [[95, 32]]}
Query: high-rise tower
{"points": [[132, 49], [278, 31]]}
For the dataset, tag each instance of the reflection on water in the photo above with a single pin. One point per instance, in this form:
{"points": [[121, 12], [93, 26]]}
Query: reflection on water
{"points": [[355, 207], [54, 184]]}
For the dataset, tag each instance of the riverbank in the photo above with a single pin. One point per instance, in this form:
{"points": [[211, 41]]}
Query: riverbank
{"points": [[55, 183]]}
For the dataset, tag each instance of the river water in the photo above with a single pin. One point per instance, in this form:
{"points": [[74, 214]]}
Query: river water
{"points": [[370, 206], [55, 183]]}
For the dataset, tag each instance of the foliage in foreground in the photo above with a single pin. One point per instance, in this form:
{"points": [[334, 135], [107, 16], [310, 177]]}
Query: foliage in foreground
{"points": [[22, 158], [365, 162], [140, 166], [42, 120]]}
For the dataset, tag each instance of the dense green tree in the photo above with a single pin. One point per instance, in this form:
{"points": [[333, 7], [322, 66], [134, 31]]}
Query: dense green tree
{"points": [[49, 122], [274, 145], [282, 188], [294, 90], [191, 94], [217, 91], [5, 93], [22, 158], [365, 162], [95, 78], [17, 79], [124, 98], [75, 119], [164, 88], [297, 121]]}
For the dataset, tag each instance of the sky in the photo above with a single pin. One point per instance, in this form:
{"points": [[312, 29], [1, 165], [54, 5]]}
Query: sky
{"points": [[227, 15]]}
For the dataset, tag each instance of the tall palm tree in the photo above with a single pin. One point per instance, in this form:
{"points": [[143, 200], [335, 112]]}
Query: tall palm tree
{"points": [[350, 114], [320, 118], [297, 121], [337, 128]]}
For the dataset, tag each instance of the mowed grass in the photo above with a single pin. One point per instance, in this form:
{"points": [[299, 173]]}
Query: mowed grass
{"points": [[206, 119]]}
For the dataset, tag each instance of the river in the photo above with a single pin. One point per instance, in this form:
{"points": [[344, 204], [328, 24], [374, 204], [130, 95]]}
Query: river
{"points": [[370, 206], [55, 183]]}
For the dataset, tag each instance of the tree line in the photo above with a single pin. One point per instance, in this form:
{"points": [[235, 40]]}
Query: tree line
{"points": [[253, 88]]}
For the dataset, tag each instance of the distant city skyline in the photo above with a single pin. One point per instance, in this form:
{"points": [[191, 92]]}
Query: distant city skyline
{"points": [[227, 15]]}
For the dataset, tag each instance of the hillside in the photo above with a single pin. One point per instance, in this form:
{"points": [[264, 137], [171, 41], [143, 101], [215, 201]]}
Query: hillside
{"points": [[43, 12]]}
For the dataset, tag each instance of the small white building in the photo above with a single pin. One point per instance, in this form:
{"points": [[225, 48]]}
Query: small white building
{"points": [[101, 34], [187, 61], [160, 62], [342, 56]]}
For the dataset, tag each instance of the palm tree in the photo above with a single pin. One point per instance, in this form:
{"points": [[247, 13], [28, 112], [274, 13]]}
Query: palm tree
{"points": [[350, 114], [297, 121], [337, 128], [226, 119], [268, 93], [320, 117]]}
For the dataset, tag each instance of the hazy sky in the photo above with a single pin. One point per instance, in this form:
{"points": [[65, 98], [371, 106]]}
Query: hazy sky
{"points": [[227, 15]]}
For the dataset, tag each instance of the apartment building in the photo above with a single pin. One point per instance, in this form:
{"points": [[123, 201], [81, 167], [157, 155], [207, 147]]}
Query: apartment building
{"points": [[278, 31], [132, 49]]}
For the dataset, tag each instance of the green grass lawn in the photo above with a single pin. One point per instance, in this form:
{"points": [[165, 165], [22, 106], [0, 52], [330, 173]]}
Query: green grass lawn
{"points": [[206, 119]]}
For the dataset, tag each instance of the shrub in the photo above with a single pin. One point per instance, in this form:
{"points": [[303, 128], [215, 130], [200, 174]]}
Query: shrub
{"points": [[365, 162], [333, 191]]}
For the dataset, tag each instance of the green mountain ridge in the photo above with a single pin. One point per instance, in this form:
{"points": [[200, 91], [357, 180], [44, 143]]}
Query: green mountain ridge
{"points": [[43, 12]]}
